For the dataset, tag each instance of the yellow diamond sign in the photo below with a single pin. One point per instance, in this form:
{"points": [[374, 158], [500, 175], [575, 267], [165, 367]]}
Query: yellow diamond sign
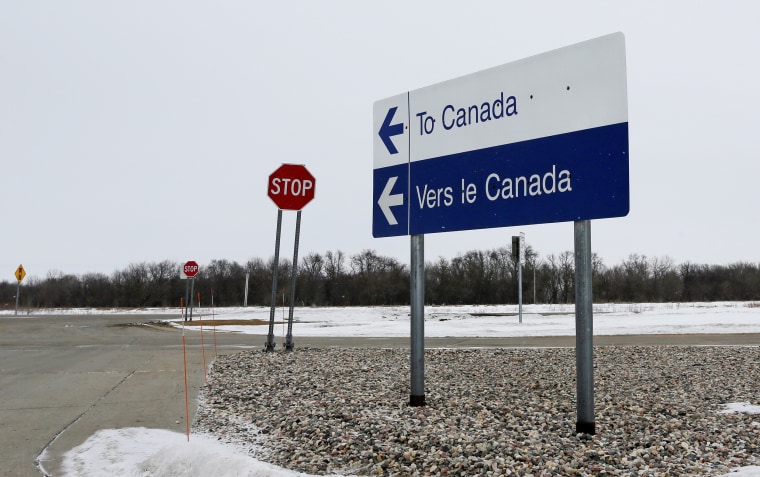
{"points": [[20, 273]]}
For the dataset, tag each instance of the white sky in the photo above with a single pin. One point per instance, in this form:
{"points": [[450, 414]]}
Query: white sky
{"points": [[143, 131]]}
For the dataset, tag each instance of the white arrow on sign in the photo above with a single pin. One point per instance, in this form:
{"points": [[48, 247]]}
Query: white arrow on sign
{"points": [[388, 200]]}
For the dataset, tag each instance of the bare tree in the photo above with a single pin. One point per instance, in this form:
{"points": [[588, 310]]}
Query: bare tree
{"points": [[311, 279], [335, 278]]}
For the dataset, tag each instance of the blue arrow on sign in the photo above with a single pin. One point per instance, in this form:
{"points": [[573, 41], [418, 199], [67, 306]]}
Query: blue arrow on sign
{"points": [[388, 130]]}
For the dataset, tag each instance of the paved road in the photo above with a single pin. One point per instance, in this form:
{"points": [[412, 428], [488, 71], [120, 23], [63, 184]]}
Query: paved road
{"points": [[62, 378]]}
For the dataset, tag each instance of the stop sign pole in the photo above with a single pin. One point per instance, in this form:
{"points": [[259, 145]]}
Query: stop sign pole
{"points": [[20, 274], [189, 270], [290, 187]]}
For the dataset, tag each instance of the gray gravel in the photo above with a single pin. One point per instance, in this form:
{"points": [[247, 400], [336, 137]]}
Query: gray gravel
{"points": [[489, 411]]}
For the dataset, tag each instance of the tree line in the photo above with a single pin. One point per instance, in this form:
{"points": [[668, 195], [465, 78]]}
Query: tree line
{"points": [[367, 278]]}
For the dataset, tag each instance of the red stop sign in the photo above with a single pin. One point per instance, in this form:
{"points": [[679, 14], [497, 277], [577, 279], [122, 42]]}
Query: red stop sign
{"points": [[190, 269], [291, 186]]}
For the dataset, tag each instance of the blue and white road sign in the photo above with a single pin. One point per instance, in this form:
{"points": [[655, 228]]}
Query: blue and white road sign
{"points": [[539, 140]]}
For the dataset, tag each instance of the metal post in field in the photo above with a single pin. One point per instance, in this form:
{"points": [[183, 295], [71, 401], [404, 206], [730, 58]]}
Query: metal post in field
{"points": [[245, 296], [270, 344], [187, 298], [417, 285], [192, 290], [293, 272], [20, 274], [519, 289], [584, 329], [18, 291]]}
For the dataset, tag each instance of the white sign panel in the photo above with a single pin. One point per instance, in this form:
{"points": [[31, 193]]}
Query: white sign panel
{"points": [[543, 139]]}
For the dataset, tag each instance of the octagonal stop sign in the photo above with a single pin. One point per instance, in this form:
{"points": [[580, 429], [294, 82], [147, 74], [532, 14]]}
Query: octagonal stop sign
{"points": [[291, 186], [190, 269]]}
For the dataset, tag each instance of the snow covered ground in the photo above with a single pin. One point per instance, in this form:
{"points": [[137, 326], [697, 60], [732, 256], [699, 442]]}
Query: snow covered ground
{"points": [[503, 320], [481, 320], [144, 452]]}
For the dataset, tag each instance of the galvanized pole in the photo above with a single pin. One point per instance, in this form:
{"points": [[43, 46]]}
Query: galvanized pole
{"points": [[192, 291], [417, 288], [270, 344], [18, 290], [584, 329], [519, 289], [187, 295], [293, 272], [245, 296], [520, 261]]}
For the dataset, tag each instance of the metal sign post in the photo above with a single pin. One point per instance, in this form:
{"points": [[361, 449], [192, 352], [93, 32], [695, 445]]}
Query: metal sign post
{"points": [[245, 296], [518, 252], [584, 329], [519, 290], [187, 297], [293, 272], [192, 291], [417, 289], [20, 274], [270, 344]]}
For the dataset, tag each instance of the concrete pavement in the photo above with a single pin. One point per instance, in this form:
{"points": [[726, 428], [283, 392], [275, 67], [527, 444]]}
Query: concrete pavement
{"points": [[64, 377]]}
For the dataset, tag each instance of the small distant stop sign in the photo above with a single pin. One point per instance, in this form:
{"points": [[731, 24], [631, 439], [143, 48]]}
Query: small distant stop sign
{"points": [[190, 269], [291, 186]]}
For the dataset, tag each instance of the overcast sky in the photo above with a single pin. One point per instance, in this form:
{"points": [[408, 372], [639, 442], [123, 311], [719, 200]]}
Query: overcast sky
{"points": [[146, 130]]}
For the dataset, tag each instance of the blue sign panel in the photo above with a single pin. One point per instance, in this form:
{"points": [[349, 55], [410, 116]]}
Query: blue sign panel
{"points": [[573, 176]]}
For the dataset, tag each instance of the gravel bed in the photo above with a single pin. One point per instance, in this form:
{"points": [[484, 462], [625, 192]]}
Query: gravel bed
{"points": [[489, 411]]}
